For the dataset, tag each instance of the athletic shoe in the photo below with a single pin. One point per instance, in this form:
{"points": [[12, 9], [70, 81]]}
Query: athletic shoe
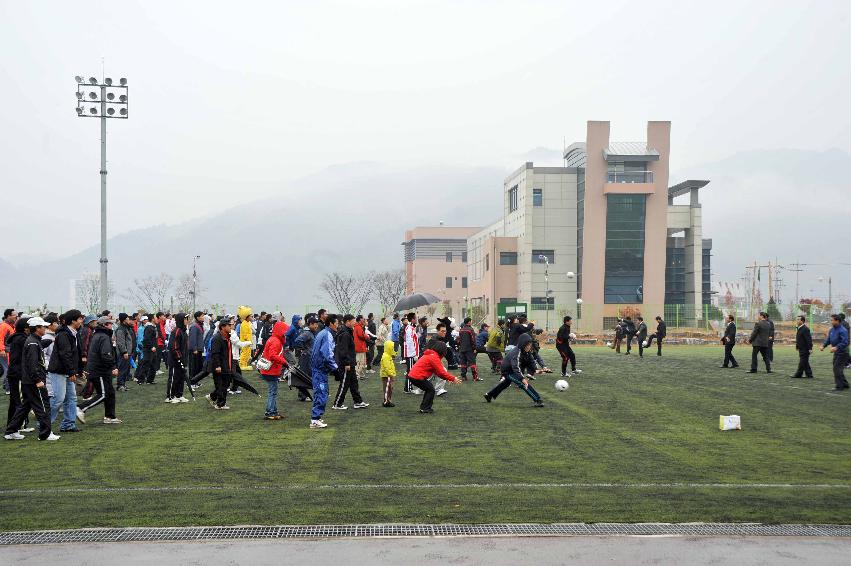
{"points": [[426, 411], [167, 400], [236, 392], [340, 408], [28, 429], [577, 371], [273, 417], [107, 420], [51, 437], [224, 408], [416, 392], [181, 400], [81, 416], [121, 388], [487, 397], [439, 393], [318, 423], [388, 405], [14, 436], [538, 404], [568, 374], [210, 401], [360, 405], [87, 398], [159, 372]]}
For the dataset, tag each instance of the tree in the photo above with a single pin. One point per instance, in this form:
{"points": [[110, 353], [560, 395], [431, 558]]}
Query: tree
{"points": [[348, 293], [151, 291], [183, 290], [389, 288], [88, 292], [773, 311]]}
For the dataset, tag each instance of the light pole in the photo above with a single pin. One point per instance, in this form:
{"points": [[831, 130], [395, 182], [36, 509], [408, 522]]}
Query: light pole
{"points": [[546, 261], [102, 100], [194, 282]]}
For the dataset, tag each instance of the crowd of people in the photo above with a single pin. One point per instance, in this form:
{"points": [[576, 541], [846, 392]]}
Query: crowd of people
{"points": [[50, 361]]}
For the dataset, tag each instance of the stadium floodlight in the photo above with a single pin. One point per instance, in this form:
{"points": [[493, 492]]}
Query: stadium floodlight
{"points": [[104, 108]]}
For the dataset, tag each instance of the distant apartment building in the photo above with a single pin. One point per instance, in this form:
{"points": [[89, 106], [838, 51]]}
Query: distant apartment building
{"points": [[604, 228]]}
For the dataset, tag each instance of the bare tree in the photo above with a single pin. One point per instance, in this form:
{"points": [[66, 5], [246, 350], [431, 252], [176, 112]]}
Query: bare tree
{"points": [[348, 293], [183, 290], [389, 288], [88, 292], [151, 291]]}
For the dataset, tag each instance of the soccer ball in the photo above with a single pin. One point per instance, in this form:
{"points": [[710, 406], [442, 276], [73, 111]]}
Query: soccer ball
{"points": [[570, 275], [609, 345], [573, 335], [646, 343], [578, 301], [562, 385]]}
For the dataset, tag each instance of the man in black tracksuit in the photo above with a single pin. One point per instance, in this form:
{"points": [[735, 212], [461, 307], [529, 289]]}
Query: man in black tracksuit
{"points": [[15, 348], [760, 341], [729, 341], [221, 364], [641, 334], [770, 338], [563, 347], [101, 368], [804, 345], [659, 335], [177, 361], [146, 370], [346, 373], [196, 344], [515, 364], [33, 383], [467, 350], [521, 327]]}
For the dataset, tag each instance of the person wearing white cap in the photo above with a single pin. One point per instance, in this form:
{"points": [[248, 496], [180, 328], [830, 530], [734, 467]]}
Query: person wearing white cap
{"points": [[33, 386]]}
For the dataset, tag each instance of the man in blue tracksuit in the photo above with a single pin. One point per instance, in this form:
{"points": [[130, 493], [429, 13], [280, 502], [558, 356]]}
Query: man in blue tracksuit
{"points": [[395, 330], [837, 339], [516, 363], [322, 362]]}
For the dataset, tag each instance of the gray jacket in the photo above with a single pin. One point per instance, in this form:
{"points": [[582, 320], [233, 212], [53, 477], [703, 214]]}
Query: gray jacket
{"points": [[125, 340], [760, 334]]}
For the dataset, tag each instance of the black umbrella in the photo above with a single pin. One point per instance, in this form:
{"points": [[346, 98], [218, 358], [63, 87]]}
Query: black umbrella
{"points": [[416, 300], [239, 381]]}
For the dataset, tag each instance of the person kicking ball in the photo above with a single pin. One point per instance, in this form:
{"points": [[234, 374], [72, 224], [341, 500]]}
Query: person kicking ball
{"points": [[516, 362]]}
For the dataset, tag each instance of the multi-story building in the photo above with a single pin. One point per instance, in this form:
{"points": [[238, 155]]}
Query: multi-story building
{"points": [[604, 229]]}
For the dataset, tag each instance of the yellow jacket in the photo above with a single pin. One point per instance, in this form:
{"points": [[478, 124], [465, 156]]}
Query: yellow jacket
{"points": [[388, 366]]}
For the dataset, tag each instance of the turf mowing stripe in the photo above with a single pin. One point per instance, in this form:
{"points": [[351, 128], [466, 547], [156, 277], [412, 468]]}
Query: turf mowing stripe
{"points": [[428, 486]]}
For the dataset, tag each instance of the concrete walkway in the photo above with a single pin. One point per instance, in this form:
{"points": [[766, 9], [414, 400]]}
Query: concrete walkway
{"points": [[513, 551]]}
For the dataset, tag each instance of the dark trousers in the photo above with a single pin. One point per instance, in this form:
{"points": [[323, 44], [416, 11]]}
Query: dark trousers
{"points": [[468, 360], [370, 355], [760, 351], [409, 363], [176, 379], [658, 343], [507, 380], [15, 400], [450, 357], [376, 361], [629, 338], [196, 363], [303, 393], [237, 370], [640, 342], [156, 362], [567, 356], [221, 382], [840, 360], [729, 360], [348, 383], [144, 370], [428, 392], [123, 370], [34, 399], [104, 393], [771, 351], [804, 364], [496, 360], [618, 340]]}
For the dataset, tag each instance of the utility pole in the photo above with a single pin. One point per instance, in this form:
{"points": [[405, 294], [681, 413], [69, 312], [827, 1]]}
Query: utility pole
{"points": [[102, 100], [546, 261], [194, 282]]}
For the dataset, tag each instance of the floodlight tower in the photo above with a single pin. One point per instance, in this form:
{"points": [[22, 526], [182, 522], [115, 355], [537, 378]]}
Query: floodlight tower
{"points": [[102, 100], [545, 260]]}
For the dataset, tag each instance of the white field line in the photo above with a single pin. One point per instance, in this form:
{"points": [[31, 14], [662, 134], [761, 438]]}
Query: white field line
{"points": [[331, 487]]}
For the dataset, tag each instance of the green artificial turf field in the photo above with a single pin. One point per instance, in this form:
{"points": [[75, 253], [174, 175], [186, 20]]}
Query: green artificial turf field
{"points": [[632, 440]]}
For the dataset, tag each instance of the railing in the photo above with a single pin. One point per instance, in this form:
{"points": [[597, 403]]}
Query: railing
{"points": [[631, 177]]}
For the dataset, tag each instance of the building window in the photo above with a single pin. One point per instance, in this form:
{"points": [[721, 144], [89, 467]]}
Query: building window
{"points": [[537, 197], [508, 300], [463, 257], [512, 199], [549, 254], [543, 303], [463, 282], [448, 257], [488, 262], [624, 267], [448, 282], [508, 258]]}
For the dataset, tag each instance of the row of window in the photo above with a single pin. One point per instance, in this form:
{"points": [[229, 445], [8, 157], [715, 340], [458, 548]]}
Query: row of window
{"points": [[510, 258], [537, 198], [449, 282], [449, 257]]}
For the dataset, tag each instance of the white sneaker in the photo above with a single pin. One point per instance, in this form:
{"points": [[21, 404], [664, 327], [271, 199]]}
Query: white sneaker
{"points": [[81, 416], [168, 400], [210, 401], [441, 392], [52, 437], [28, 429], [417, 391], [361, 405], [107, 420], [14, 436], [181, 400], [340, 408], [224, 408], [318, 423], [577, 371], [159, 372]]}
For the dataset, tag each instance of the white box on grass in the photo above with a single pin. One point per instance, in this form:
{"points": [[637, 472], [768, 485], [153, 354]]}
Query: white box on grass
{"points": [[730, 422]]}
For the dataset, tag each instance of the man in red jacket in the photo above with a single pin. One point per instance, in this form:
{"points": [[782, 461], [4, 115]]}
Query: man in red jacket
{"points": [[274, 352], [359, 331], [428, 365]]}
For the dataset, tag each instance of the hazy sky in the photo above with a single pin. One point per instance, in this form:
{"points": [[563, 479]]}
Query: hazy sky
{"points": [[230, 100]]}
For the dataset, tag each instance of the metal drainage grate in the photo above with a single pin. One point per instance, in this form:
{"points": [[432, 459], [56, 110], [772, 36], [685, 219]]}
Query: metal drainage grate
{"points": [[413, 530]]}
